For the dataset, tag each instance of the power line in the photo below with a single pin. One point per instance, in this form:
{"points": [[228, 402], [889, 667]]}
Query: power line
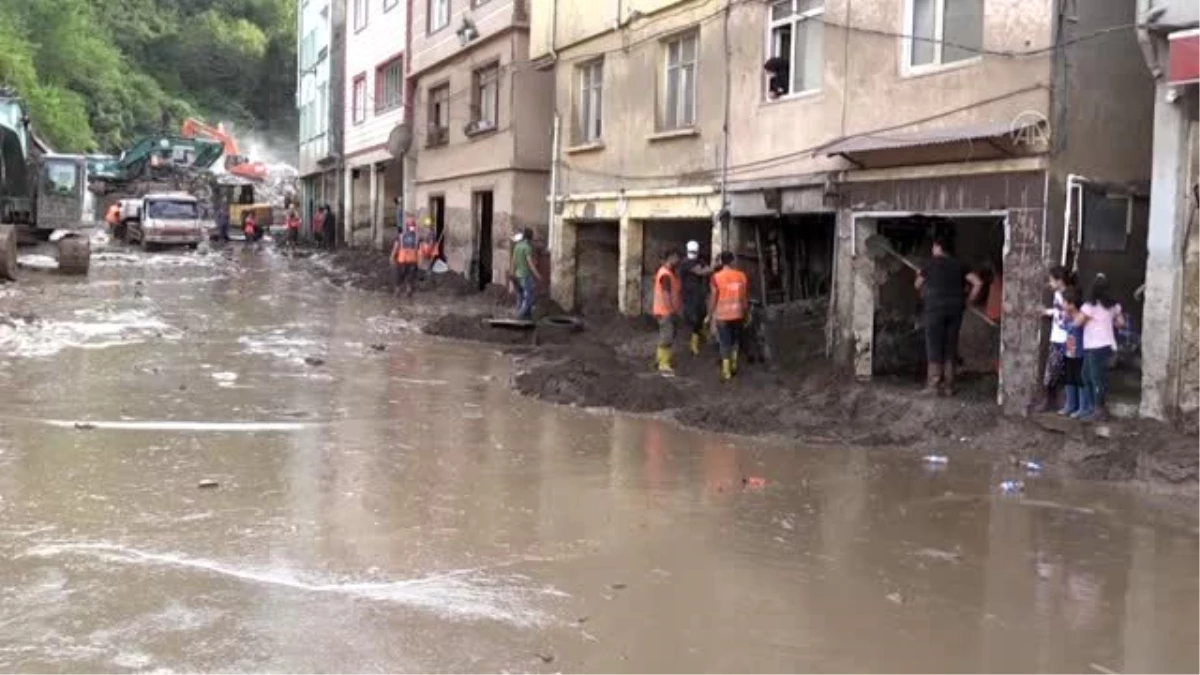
{"points": [[771, 162]]}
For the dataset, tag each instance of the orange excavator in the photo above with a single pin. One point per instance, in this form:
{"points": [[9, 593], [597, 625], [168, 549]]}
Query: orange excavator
{"points": [[235, 162]]}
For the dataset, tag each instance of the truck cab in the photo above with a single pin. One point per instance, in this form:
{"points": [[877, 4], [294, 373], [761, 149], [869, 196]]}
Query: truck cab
{"points": [[171, 218]]}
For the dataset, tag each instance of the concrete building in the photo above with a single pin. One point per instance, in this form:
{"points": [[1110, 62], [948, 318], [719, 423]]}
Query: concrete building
{"points": [[320, 55], [375, 93], [1171, 43], [793, 132], [482, 130]]}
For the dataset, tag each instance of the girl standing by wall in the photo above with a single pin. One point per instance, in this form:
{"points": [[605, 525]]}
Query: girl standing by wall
{"points": [[1100, 316]]}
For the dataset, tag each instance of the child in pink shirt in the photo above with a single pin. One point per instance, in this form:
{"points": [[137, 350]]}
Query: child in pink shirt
{"points": [[1100, 316]]}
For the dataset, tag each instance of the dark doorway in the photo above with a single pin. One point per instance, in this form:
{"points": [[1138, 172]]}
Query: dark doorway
{"points": [[597, 263], [482, 203], [437, 214]]}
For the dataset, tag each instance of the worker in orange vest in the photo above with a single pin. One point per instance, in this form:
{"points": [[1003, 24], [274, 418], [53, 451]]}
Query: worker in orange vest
{"points": [[668, 305], [113, 218], [405, 256], [728, 302], [250, 227], [428, 251]]}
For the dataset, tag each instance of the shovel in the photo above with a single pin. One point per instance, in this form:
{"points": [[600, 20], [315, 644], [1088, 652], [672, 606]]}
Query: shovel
{"points": [[878, 246]]}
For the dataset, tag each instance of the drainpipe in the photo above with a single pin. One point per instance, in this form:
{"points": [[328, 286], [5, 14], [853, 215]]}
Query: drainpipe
{"points": [[725, 132], [1074, 182], [555, 153]]}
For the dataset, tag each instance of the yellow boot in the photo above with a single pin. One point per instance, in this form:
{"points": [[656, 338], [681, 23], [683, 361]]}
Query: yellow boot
{"points": [[664, 361], [726, 370], [733, 362], [695, 344]]}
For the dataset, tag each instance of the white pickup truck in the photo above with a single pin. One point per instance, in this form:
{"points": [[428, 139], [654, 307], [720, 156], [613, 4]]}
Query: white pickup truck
{"points": [[159, 219]]}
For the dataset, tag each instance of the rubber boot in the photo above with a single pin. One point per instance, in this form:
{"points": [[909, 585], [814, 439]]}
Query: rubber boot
{"points": [[933, 379], [733, 361], [948, 378], [1071, 402], [664, 361], [694, 345], [726, 370], [1087, 404]]}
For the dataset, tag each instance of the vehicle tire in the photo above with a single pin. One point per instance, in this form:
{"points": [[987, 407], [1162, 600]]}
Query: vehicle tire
{"points": [[8, 252], [74, 255]]}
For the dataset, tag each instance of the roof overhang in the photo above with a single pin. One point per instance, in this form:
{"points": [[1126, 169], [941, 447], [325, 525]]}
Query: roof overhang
{"points": [[985, 141]]}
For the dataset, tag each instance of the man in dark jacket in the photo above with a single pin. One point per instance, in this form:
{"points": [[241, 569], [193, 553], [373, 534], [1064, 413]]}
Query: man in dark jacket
{"points": [[329, 229]]}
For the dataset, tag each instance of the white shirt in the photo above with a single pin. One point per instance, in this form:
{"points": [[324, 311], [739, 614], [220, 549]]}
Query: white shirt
{"points": [[1058, 334]]}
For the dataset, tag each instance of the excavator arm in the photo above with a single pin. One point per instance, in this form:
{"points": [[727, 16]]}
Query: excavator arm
{"points": [[235, 162]]}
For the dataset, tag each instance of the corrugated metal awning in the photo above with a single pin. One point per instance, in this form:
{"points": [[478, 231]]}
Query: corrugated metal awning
{"points": [[893, 140]]}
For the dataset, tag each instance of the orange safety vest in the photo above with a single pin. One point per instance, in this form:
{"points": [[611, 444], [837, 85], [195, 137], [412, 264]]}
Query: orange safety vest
{"points": [[730, 288], [661, 305], [113, 216], [428, 250], [407, 252]]}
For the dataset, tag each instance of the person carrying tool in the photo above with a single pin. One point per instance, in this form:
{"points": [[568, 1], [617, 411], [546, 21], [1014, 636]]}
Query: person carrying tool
{"points": [[728, 303], [428, 251], [668, 303], [942, 282], [693, 273], [405, 256]]}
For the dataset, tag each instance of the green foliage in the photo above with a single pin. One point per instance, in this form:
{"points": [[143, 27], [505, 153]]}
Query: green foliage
{"points": [[98, 74]]}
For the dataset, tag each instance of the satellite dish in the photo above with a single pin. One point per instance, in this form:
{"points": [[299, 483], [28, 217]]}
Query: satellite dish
{"points": [[400, 140]]}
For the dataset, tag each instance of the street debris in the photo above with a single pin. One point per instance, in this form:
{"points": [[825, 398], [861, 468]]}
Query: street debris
{"points": [[379, 347], [84, 426], [618, 586], [1031, 466], [936, 459], [207, 483], [314, 361], [896, 598], [546, 657], [1012, 486]]}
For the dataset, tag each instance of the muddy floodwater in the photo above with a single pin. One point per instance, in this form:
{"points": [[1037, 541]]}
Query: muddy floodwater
{"points": [[383, 502]]}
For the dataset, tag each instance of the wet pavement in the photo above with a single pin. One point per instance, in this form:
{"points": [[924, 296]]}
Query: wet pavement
{"points": [[385, 503]]}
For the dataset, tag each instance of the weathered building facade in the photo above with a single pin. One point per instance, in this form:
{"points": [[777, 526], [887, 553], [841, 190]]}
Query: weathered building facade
{"points": [[482, 121], [1170, 38], [375, 93], [797, 132], [320, 62]]}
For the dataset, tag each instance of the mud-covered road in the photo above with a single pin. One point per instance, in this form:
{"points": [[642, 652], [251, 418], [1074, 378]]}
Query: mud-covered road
{"points": [[385, 502]]}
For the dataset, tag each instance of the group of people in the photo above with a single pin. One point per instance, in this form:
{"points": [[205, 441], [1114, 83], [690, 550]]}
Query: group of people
{"points": [[707, 300], [1083, 334], [1083, 338], [412, 254]]}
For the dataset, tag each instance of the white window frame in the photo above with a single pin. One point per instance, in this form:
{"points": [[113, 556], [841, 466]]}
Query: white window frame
{"points": [[486, 94], [437, 10], [939, 34], [794, 20], [687, 69], [362, 14], [590, 102], [358, 93]]}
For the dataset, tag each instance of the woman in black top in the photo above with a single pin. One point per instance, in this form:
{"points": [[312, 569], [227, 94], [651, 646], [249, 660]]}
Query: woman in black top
{"points": [[943, 283]]}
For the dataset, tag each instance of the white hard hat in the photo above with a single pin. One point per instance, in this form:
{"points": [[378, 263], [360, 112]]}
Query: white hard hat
{"points": [[693, 246]]}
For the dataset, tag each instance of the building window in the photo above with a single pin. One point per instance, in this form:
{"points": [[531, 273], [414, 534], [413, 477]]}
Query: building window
{"points": [[438, 16], [361, 8], [679, 99], [439, 116], [485, 98], [359, 99], [590, 104], [797, 47], [943, 31], [389, 85], [323, 110], [389, 4]]}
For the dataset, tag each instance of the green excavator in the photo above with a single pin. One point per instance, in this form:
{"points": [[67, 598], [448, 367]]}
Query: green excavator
{"points": [[150, 158], [43, 196]]}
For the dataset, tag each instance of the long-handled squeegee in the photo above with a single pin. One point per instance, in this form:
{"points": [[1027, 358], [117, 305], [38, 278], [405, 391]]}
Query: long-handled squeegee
{"points": [[878, 246]]}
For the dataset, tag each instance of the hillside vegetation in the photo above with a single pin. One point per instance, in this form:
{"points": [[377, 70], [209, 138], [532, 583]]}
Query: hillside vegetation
{"points": [[98, 74]]}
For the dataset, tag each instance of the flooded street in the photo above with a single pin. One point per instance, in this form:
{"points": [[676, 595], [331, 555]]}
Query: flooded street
{"points": [[384, 502]]}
